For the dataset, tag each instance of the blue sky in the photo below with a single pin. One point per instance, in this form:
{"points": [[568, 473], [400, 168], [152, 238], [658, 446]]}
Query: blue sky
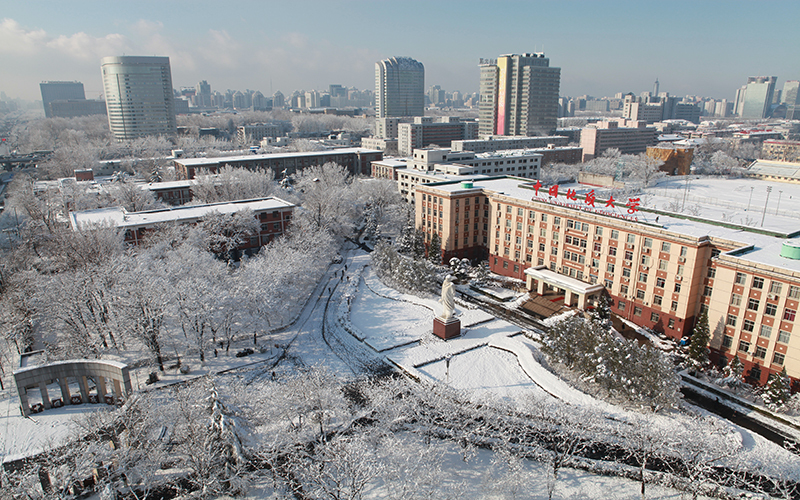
{"points": [[602, 47]]}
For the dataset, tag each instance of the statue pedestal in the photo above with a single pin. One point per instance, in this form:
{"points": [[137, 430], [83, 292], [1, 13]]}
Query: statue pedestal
{"points": [[446, 329]]}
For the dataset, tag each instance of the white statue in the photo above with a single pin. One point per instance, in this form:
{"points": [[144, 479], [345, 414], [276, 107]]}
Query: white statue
{"points": [[448, 298]]}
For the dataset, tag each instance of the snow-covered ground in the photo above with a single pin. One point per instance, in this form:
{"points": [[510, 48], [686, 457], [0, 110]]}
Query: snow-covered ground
{"points": [[493, 359]]}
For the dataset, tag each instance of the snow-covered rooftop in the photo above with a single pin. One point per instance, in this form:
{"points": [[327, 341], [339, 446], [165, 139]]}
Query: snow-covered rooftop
{"points": [[724, 209], [119, 217], [189, 162]]}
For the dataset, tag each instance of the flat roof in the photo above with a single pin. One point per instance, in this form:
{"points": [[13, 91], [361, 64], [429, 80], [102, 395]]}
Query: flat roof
{"points": [[562, 281], [189, 162], [119, 217]]}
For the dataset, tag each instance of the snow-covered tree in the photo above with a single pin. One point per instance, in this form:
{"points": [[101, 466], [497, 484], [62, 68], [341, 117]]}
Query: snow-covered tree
{"points": [[698, 347], [777, 391], [435, 250], [226, 232], [326, 201]]}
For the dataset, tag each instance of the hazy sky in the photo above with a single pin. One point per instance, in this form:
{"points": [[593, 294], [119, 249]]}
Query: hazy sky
{"points": [[706, 48]]}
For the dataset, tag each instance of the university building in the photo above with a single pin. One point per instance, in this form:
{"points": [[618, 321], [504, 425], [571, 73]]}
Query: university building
{"points": [[355, 160], [659, 271], [273, 214]]}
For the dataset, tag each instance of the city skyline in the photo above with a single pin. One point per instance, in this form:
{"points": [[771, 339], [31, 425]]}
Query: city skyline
{"points": [[603, 48]]}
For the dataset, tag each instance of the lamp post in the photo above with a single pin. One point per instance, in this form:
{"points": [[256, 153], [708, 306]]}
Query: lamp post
{"points": [[779, 201], [751, 198], [764, 213]]}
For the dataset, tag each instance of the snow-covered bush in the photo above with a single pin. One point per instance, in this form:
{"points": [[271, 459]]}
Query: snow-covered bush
{"points": [[401, 272]]}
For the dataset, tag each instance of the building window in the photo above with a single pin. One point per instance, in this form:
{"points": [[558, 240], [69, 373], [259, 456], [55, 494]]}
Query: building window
{"points": [[608, 283], [731, 321], [740, 278], [677, 287], [707, 291], [765, 331], [610, 268], [674, 306], [505, 265], [748, 326], [684, 251], [770, 309], [631, 239], [752, 304], [637, 311], [615, 236], [662, 265], [654, 317], [712, 272], [784, 336], [758, 283], [665, 246], [640, 294], [744, 346], [760, 352], [657, 300], [612, 251], [789, 314], [598, 231], [623, 289], [648, 243], [727, 341], [794, 292], [736, 299], [643, 277], [671, 324], [775, 287], [556, 221], [778, 358], [621, 305], [626, 272]]}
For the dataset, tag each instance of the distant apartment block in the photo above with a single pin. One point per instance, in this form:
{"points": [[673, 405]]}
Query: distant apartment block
{"points": [[754, 100], [425, 132], [511, 142], [356, 160], [630, 137], [252, 134], [428, 164], [73, 108]]}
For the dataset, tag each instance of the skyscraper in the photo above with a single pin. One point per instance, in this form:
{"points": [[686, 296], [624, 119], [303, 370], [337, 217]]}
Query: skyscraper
{"points": [[519, 95], [59, 91], [791, 97], [139, 96], [202, 95], [757, 99], [399, 87]]}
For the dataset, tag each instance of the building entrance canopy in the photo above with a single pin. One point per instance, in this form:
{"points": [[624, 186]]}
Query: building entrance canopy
{"points": [[571, 286]]}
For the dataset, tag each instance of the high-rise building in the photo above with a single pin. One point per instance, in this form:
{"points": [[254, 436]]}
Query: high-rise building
{"points": [[757, 99], [399, 87], [59, 91], [203, 95], [139, 96], [519, 95]]}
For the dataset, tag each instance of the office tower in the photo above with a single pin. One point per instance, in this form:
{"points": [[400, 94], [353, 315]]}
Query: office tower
{"points": [[519, 95], [203, 95], [399, 87], [278, 101], [336, 90], [139, 96], [791, 98], [59, 91], [758, 97], [655, 88]]}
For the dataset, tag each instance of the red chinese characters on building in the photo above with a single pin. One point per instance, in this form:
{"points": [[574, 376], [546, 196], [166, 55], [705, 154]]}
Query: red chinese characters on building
{"points": [[633, 205], [590, 198], [571, 195], [610, 202], [537, 186], [553, 191]]}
